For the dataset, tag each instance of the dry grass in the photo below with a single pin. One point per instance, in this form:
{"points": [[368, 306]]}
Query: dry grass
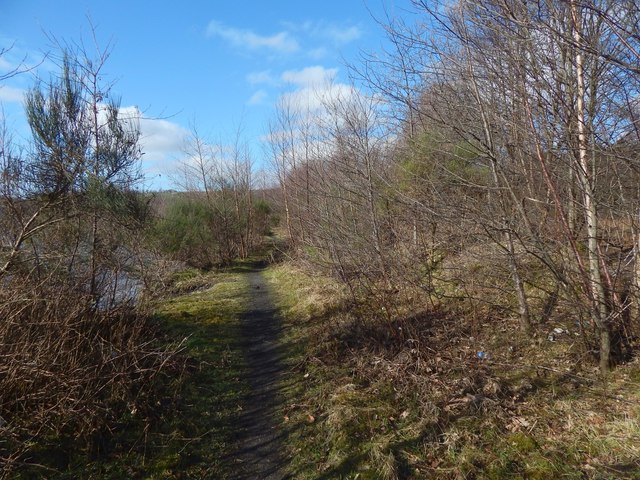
{"points": [[70, 375], [409, 397]]}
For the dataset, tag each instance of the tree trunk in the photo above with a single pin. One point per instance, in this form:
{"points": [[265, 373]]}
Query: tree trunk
{"points": [[523, 304], [634, 295], [518, 284], [598, 307]]}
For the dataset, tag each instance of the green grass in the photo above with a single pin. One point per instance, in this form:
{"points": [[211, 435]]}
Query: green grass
{"points": [[336, 443], [200, 429], [552, 416], [193, 428]]}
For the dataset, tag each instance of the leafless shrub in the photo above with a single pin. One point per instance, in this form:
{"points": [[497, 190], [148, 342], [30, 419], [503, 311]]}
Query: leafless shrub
{"points": [[69, 371], [78, 357]]}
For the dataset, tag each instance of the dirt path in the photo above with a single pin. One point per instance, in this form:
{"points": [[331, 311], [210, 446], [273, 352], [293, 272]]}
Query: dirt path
{"points": [[259, 453]]}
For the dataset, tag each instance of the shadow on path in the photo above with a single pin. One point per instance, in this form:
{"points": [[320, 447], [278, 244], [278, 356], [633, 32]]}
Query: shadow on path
{"points": [[258, 452]]}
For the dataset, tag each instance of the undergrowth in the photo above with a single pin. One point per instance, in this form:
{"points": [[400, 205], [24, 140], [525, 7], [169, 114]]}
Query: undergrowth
{"points": [[434, 393], [140, 413], [71, 376]]}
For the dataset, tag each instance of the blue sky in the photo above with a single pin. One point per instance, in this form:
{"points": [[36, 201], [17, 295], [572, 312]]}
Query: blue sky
{"points": [[213, 64]]}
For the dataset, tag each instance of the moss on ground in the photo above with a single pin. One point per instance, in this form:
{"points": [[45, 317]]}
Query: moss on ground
{"points": [[201, 427]]}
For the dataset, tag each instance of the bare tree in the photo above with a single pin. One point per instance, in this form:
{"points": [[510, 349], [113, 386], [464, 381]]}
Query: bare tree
{"points": [[217, 180]]}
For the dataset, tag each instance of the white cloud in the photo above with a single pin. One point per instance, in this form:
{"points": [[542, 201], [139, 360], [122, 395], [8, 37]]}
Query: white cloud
{"points": [[317, 98], [342, 36], [161, 141], [337, 34], [11, 94], [160, 137], [322, 112], [281, 42], [257, 98], [264, 76], [310, 76], [313, 89]]}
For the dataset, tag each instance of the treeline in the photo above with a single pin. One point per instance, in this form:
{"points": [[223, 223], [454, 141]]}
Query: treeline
{"points": [[489, 156], [220, 215]]}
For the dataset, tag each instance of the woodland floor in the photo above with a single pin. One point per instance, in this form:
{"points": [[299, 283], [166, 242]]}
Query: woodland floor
{"points": [[302, 389], [283, 380], [220, 415]]}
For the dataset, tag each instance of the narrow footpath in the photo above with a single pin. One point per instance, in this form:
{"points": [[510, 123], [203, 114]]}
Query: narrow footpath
{"points": [[258, 453]]}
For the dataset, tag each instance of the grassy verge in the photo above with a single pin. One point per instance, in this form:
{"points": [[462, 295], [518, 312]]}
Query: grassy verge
{"points": [[192, 429], [419, 402], [201, 427]]}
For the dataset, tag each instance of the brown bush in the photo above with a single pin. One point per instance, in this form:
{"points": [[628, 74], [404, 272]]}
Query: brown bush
{"points": [[69, 373]]}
